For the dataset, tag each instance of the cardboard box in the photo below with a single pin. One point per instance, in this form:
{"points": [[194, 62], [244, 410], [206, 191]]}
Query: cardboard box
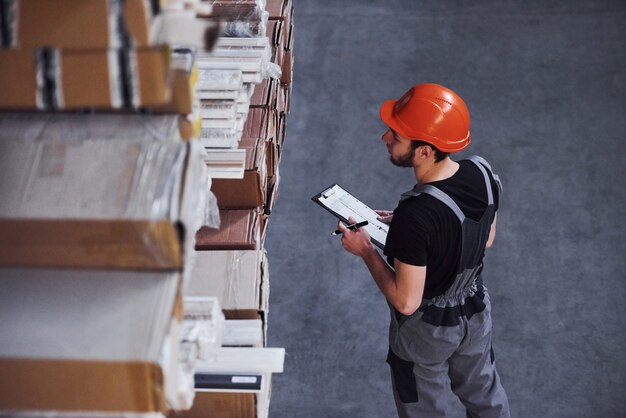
{"points": [[257, 362], [275, 8], [280, 132], [138, 19], [261, 123], [272, 192], [190, 126], [183, 28], [239, 230], [220, 405], [69, 344], [279, 56], [281, 10], [93, 78], [90, 78], [86, 24], [66, 24], [238, 278], [50, 126], [91, 179], [275, 32], [183, 92], [74, 385], [59, 210], [250, 191], [265, 94], [18, 80], [236, 10], [82, 78], [112, 244], [284, 99], [289, 36], [152, 79], [273, 158], [287, 67]]}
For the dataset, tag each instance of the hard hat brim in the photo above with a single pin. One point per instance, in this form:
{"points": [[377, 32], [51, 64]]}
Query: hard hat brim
{"points": [[386, 115]]}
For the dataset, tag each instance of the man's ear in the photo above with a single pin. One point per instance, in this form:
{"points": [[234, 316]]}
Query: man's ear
{"points": [[424, 152]]}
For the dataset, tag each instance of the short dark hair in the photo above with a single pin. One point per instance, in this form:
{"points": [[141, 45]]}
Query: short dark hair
{"points": [[439, 155]]}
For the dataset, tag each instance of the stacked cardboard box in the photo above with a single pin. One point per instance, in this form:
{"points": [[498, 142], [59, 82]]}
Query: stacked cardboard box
{"points": [[61, 56], [231, 263], [99, 207], [97, 213], [275, 97], [92, 240]]}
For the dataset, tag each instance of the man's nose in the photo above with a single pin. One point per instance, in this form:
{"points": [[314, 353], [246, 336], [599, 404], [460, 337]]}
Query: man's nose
{"points": [[387, 137]]}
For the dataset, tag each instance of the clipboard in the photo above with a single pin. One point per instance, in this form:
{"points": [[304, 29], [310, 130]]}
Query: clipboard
{"points": [[342, 204]]}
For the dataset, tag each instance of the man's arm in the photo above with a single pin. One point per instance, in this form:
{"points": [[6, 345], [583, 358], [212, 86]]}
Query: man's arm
{"points": [[492, 232], [402, 288]]}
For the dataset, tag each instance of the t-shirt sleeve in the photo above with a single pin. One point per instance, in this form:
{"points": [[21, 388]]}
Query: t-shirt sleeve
{"points": [[407, 239]]}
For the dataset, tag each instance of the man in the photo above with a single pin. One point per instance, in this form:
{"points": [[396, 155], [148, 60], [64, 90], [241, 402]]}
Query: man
{"points": [[440, 310]]}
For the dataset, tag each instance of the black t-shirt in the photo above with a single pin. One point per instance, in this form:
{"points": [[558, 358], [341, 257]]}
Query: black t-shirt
{"points": [[426, 232]]}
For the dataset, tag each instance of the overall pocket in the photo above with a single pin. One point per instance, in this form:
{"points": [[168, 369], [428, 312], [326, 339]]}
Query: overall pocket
{"points": [[403, 377]]}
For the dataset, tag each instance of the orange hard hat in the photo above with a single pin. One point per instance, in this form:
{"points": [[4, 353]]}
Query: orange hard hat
{"points": [[430, 113]]}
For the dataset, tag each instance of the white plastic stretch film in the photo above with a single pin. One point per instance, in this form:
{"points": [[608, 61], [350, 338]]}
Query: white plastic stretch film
{"points": [[77, 126], [199, 204], [242, 18], [182, 28], [235, 277], [220, 138], [107, 179], [79, 414], [93, 315], [252, 25], [219, 79], [203, 325], [200, 338], [248, 48]]}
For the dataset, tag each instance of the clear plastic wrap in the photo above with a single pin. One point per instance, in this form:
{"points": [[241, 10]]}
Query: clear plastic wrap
{"points": [[121, 200], [104, 179], [41, 318], [243, 18], [87, 328], [245, 48], [238, 278], [218, 109], [219, 79], [203, 325], [198, 205], [212, 215], [220, 138], [201, 336], [183, 28], [89, 126], [80, 414]]}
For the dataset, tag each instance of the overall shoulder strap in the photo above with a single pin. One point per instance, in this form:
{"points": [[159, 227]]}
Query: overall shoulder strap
{"points": [[483, 165], [441, 196]]}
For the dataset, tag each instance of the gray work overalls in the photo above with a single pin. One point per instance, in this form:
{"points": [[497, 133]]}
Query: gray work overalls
{"points": [[450, 335]]}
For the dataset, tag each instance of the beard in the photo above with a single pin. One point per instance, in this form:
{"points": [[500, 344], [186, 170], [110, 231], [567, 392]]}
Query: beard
{"points": [[405, 160]]}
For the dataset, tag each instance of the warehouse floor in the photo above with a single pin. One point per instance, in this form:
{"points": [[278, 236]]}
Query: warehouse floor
{"points": [[545, 83]]}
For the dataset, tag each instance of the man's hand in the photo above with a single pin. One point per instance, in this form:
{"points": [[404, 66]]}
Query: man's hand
{"points": [[356, 242], [384, 216]]}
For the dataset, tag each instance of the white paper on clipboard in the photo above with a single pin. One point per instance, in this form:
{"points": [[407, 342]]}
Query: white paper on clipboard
{"points": [[343, 205]]}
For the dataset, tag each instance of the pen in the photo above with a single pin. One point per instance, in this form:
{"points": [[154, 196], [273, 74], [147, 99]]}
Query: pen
{"points": [[352, 227]]}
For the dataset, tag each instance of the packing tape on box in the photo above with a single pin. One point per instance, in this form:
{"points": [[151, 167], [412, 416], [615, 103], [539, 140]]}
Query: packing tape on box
{"points": [[79, 385]]}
